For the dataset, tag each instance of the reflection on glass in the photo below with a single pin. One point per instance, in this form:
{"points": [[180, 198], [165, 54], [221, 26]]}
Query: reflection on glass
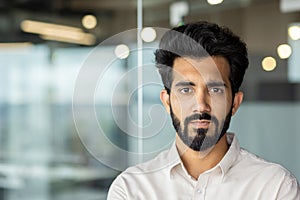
{"points": [[41, 154]]}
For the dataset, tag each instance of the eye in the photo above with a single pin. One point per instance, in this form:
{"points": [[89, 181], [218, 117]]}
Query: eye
{"points": [[185, 90], [216, 90]]}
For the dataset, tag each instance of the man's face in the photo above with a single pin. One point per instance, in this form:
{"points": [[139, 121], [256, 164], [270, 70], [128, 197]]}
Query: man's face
{"points": [[200, 102]]}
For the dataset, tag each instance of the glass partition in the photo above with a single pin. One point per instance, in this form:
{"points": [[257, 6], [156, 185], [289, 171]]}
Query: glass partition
{"points": [[59, 144]]}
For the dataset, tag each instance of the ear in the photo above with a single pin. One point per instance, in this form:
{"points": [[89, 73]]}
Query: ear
{"points": [[238, 98], [165, 99]]}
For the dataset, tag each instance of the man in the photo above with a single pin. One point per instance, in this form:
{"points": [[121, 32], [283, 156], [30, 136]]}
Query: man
{"points": [[202, 67]]}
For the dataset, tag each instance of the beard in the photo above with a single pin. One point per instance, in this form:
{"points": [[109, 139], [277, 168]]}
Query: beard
{"points": [[201, 141]]}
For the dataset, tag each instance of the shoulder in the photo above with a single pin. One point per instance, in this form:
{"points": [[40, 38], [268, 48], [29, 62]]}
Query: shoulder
{"points": [[268, 174], [117, 190], [243, 163], [136, 177], [158, 163], [253, 162]]}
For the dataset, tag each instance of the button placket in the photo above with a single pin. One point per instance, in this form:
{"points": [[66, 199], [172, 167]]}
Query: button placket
{"points": [[201, 186], [199, 194]]}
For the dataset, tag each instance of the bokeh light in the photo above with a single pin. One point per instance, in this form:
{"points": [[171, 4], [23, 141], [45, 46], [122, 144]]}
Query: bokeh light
{"points": [[294, 32], [268, 63], [122, 51], [214, 2], [284, 51], [89, 21], [148, 34]]}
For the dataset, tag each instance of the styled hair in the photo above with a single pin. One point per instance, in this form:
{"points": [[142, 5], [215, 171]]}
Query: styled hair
{"points": [[202, 39]]}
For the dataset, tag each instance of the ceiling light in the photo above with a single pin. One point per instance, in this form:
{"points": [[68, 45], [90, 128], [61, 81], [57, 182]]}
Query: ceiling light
{"points": [[148, 34], [58, 32], [89, 21], [15, 44], [284, 51], [86, 39], [294, 32], [122, 51], [31, 26], [214, 2], [268, 63]]}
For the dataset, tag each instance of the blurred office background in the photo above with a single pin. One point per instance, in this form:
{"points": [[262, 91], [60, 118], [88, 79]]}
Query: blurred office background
{"points": [[47, 151]]}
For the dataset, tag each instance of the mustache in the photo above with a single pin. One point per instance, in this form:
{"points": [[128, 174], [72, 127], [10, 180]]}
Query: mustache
{"points": [[198, 116]]}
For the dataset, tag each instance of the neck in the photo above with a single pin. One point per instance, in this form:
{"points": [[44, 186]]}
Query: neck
{"points": [[197, 162]]}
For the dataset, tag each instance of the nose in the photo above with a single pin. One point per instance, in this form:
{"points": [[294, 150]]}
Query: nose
{"points": [[202, 102]]}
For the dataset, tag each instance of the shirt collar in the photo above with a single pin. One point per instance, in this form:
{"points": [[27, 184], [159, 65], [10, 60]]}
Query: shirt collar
{"points": [[173, 158], [231, 155], [225, 164]]}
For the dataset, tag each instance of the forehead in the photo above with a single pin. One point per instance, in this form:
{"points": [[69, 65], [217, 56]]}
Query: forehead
{"points": [[209, 68]]}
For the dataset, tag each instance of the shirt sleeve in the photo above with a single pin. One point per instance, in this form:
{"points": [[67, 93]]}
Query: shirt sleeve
{"points": [[117, 190], [290, 189]]}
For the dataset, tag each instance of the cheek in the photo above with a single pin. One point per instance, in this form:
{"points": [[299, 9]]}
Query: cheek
{"points": [[220, 106], [179, 107], [176, 101], [185, 102]]}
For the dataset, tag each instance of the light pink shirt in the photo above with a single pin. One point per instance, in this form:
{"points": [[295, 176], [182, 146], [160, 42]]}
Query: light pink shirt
{"points": [[240, 175]]}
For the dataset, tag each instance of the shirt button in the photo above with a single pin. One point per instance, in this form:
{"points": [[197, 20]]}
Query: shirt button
{"points": [[199, 191]]}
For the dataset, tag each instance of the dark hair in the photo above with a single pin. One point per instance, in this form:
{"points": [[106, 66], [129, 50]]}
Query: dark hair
{"points": [[202, 39]]}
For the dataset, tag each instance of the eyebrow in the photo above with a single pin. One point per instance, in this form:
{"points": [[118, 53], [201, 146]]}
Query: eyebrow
{"points": [[184, 83], [209, 84], [216, 84]]}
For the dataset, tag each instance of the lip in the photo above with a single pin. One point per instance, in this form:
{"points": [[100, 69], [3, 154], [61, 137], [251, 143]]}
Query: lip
{"points": [[200, 123]]}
